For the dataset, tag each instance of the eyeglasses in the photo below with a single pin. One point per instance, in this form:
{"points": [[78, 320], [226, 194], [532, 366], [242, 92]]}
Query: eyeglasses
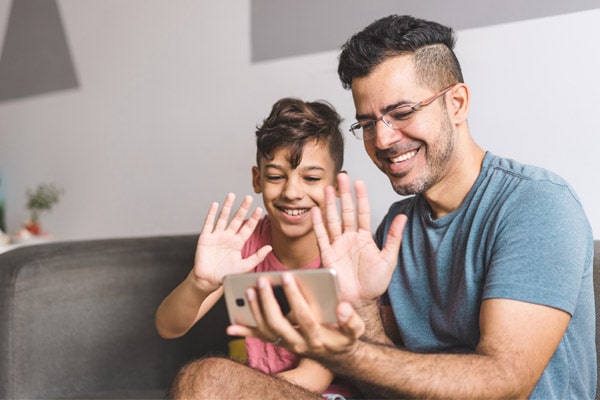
{"points": [[395, 118]]}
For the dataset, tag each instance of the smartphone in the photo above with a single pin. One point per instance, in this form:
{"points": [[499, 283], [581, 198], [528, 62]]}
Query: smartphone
{"points": [[319, 287]]}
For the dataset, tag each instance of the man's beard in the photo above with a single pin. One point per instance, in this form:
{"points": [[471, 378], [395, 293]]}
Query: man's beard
{"points": [[436, 161]]}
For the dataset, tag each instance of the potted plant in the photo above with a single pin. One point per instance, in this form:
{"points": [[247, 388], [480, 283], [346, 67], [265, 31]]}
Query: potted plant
{"points": [[43, 198]]}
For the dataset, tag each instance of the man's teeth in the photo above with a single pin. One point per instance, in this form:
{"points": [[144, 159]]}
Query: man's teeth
{"points": [[404, 156], [296, 211]]}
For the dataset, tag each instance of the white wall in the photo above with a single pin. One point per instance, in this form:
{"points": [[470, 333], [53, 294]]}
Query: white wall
{"points": [[163, 122]]}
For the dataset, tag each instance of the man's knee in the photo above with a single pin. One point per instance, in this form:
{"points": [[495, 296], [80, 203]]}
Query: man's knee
{"points": [[200, 378]]}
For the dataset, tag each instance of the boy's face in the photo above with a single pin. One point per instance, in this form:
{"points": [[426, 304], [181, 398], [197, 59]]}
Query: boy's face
{"points": [[289, 194]]}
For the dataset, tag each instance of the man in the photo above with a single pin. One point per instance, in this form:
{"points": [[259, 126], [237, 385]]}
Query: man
{"points": [[490, 294]]}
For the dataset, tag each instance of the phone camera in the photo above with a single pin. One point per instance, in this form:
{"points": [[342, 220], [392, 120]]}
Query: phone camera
{"points": [[239, 302]]}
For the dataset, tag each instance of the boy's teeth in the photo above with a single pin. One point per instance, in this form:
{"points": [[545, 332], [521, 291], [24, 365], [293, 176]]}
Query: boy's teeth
{"points": [[295, 211], [404, 156]]}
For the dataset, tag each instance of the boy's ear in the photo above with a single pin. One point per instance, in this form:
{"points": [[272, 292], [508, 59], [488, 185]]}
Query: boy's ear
{"points": [[256, 180]]}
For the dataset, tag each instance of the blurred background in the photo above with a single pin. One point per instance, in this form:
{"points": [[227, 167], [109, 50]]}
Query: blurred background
{"points": [[144, 111]]}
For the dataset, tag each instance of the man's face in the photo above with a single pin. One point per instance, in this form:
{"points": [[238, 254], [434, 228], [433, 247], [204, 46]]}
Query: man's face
{"points": [[288, 193], [416, 157]]}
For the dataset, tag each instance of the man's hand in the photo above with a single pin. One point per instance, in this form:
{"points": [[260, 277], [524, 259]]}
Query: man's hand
{"points": [[347, 243], [219, 249], [306, 336]]}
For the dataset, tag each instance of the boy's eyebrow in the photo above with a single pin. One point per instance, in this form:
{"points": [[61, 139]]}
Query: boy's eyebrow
{"points": [[312, 168], [303, 168], [273, 165]]}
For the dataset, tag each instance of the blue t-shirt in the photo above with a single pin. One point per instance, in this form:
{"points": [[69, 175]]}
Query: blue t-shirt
{"points": [[521, 233]]}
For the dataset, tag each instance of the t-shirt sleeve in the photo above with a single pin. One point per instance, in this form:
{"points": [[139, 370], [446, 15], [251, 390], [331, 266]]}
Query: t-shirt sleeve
{"points": [[541, 249]]}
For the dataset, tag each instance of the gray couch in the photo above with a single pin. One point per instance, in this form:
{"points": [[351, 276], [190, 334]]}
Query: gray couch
{"points": [[77, 319]]}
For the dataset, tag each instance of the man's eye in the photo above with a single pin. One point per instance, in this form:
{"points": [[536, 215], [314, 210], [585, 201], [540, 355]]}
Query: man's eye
{"points": [[400, 115], [368, 125]]}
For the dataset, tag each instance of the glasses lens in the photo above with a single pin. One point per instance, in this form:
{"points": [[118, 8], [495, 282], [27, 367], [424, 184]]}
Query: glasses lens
{"points": [[357, 130], [396, 117]]}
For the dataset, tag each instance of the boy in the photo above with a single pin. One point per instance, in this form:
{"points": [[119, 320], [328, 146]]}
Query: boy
{"points": [[300, 150]]}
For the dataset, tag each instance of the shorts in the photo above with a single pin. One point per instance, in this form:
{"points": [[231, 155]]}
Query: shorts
{"points": [[332, 396]]}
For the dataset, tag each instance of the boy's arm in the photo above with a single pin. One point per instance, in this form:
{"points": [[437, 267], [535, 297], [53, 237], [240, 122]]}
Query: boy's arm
{"points": [[183, 307], [310, 375], [218, 253]]}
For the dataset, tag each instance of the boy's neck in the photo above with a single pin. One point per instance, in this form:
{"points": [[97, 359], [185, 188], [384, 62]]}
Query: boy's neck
{"points": [[295, 253]]}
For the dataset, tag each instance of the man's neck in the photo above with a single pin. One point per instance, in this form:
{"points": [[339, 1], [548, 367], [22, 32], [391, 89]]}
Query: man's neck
{"points": [[448, 194]]}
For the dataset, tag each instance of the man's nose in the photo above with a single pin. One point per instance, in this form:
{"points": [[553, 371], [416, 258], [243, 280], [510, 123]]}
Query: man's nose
{"points": [[385, 134]]}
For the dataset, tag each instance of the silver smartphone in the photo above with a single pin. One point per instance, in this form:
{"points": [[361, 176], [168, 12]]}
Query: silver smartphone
{"points": [[319, 287]]}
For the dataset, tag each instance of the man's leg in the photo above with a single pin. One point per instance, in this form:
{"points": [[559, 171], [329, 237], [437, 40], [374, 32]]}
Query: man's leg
{"points": [[221, 378]]}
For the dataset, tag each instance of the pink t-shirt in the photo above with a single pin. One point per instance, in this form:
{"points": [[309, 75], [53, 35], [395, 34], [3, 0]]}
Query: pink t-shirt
{"points": [[263, 356], [267, 357]]}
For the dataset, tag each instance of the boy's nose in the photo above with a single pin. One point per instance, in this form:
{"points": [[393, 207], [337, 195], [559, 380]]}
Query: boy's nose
{"points": [[291, 190]]}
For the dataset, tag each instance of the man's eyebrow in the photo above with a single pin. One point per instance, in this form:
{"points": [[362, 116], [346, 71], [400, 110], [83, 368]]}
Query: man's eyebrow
{"points": [[385, 110]]}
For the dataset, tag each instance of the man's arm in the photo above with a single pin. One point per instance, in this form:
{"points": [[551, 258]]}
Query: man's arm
{"points": [[517, 341]]}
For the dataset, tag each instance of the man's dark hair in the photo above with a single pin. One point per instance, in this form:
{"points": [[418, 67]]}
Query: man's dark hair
{"points": [[292, 123], [430, 43]]}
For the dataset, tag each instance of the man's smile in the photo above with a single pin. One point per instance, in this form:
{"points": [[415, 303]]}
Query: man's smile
{"points": [[403, 157]]}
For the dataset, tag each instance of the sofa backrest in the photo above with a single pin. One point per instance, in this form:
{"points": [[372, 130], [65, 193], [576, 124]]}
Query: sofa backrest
{"points": [[77, 318]]}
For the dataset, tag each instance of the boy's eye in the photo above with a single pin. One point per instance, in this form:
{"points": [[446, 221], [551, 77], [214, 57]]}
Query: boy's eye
{"points": [[312, 178], [274, 177]]}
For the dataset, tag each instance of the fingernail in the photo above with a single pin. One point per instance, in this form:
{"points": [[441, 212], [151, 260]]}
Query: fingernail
{"points": [[345, 311], [286, 277], [250, 294]]}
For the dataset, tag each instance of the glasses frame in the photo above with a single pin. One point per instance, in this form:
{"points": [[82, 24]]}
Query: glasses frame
{"points": [[359, 132]]}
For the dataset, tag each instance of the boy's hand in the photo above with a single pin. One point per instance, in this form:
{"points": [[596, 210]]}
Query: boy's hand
{"points": [[219, 249], [364, 271]]}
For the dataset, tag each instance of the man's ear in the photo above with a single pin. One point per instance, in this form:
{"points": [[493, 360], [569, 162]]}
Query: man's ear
{"points": [[256, 180], [458, 103]]}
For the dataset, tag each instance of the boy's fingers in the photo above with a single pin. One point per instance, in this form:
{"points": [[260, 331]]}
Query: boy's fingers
{"points": [[209, 221], [225, 211], [240, 215], [248, 226]]}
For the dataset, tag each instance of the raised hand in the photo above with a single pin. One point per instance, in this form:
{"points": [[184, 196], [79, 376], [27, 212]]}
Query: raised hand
{"points": [[219, 249], [347, 244]]}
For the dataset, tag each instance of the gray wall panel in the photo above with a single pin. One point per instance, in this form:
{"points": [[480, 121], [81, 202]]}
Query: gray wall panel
{"points": [[287, 28]]}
